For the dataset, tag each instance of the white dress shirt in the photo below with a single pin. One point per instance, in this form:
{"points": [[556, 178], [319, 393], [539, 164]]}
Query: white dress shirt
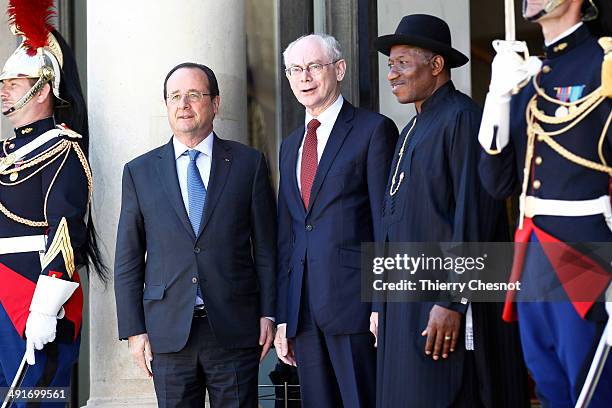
{"points": [[327, 119], [203, 162]]}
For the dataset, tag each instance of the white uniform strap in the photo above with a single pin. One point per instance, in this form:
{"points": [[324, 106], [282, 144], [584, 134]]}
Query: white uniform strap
{"points": [[535, 206], [29, 148], [29, 243]]}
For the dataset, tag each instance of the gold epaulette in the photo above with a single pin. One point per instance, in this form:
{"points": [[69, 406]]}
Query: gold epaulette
{"points": [[606, 66], [66, 131]]}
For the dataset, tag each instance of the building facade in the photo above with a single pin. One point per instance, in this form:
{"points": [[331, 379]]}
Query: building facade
{"points": [[125, 49]]}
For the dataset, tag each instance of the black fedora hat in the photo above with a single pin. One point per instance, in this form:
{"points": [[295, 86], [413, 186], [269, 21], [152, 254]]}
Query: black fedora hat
{"points": [[423, 31]]}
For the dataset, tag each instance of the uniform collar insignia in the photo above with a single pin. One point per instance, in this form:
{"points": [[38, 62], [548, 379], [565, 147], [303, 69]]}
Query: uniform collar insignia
{"points": [[35, 128], [567, 43], [560, 47]]}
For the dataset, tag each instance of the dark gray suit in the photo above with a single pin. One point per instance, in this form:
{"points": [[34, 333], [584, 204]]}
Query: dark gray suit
{"points": [[232, 257]]}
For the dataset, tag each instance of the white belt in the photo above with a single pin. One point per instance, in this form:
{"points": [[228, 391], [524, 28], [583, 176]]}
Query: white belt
{"points": [[15, 245], [569, 208]]}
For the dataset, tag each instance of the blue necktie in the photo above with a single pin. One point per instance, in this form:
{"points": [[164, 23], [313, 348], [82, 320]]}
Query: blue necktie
{"points": [[196, 194]]}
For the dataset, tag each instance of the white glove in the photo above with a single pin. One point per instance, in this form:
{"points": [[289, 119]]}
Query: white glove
{"points": [[508, 71], [40, 330], [494, 133], [46, 307]]}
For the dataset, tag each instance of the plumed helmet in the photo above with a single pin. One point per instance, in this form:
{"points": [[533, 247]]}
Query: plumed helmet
{"points": [[45, 56], [39, 55]]}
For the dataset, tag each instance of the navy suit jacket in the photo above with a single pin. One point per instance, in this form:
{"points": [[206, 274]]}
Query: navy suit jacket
{"points": [[344, 211], [232, 258]]}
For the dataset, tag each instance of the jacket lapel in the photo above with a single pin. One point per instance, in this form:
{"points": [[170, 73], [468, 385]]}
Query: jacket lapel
{"points": [[338, 134], [293, 147], [219, 172], [166, 168]]}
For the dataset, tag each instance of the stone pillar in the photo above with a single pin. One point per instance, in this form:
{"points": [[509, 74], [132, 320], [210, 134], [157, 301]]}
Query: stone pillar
{"points": [[457, 16], [8, 43], [131, 46]]}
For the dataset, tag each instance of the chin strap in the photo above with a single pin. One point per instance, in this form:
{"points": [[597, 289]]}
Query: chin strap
{"points": [[46, 76], [548, 7]]}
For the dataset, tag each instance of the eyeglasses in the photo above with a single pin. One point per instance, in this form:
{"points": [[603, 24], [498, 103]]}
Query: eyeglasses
{"points": [[314, 69], [192, 96]]}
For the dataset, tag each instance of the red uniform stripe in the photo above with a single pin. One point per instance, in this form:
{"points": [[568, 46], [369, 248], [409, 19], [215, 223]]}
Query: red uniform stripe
{"points": [[583, 279], [74, 306], [16, 293]]}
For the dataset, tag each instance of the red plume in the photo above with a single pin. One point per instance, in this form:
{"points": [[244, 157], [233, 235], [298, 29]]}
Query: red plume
{"points": [[33, 19]]}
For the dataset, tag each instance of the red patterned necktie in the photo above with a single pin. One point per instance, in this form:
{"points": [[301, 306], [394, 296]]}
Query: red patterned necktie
{"points": [[309, 160]]}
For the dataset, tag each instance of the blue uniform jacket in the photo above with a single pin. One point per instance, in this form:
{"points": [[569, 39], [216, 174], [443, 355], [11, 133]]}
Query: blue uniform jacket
{"points": [[54, 189]]}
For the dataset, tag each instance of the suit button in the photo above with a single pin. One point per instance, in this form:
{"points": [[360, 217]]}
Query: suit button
{"points": [[546, 69], [197, 250], [309, 227], [194, 280], [538, 160], [536, 184]]}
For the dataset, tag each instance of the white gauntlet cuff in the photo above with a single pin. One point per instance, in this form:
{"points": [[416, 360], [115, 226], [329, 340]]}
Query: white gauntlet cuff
{"points": [[51, 294]]}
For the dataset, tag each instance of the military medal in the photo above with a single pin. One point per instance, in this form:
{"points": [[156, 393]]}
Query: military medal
{"points": [[568, 94], [561, 112]]}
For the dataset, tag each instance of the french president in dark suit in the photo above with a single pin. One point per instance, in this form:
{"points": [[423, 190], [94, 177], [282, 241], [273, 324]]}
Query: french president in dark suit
{"points": [[195, 259], [333, 175]]}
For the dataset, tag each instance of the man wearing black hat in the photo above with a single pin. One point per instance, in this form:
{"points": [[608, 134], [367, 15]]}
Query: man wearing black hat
{"points": [[438, 354], [548, 136]]}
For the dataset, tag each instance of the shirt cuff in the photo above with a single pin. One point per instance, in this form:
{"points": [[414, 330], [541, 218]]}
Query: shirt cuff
{"points": [[270, 318]]}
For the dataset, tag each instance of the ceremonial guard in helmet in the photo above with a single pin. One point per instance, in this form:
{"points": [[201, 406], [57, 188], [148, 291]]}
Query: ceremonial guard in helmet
{"points": [[45, 192], [546, 133]]}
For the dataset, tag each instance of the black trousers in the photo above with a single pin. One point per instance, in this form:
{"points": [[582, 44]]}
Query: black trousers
{"points": [[335, 371], [229, 375]]}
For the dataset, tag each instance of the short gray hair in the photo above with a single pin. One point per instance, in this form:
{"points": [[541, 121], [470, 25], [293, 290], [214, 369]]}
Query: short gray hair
{"points": [[330, 45]]}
